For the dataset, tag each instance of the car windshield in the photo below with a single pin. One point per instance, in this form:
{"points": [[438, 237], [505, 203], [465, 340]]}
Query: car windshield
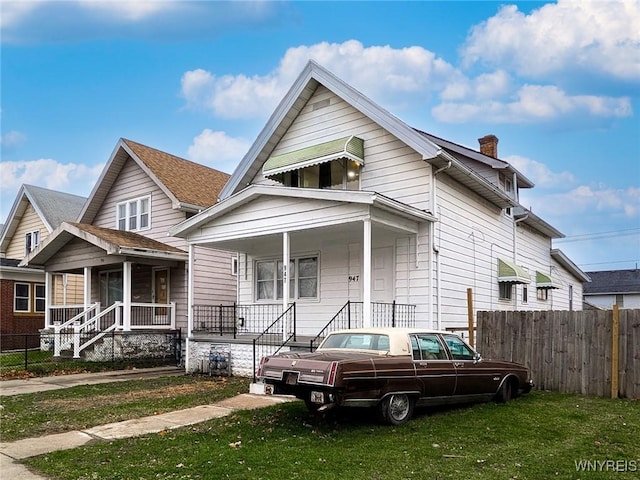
{"points": [[359, 341]]}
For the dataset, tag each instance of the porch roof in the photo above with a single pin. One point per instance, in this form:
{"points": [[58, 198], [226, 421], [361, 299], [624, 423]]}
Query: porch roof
{"points": [[113, 242], [354, 200]]}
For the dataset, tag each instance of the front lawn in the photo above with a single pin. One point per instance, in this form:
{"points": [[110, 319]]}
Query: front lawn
{"points": [[540, 436]]}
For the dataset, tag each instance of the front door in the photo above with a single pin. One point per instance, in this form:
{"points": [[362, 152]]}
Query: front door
{"points": [[160, 294], [382, 269]]}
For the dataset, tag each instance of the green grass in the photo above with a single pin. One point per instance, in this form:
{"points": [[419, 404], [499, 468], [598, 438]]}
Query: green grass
{"points": [[30, 415], [535, 437]]}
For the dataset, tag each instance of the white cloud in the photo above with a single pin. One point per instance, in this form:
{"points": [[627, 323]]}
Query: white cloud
{"points": [[622, 203], [67, 177], [133, 10], [540, 174], [393, 76], [594, 36], [532, 104], [12, 139], [218, 150]]}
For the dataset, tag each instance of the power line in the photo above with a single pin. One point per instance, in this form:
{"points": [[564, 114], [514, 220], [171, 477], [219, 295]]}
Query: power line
{"points": [[599, 236]]}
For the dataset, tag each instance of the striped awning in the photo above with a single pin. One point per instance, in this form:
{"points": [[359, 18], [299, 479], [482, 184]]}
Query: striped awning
{"points": [[509, 272], [544, 280], [351, 148]]}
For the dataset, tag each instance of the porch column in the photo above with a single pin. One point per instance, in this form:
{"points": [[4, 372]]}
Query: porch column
{"points": [[366, 274], [126, 296], [285, 282], [48, 291], [190, 306], [87, 287]]}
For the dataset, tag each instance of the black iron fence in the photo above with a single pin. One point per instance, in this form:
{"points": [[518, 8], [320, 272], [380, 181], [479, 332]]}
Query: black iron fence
{"points": [[34, 352]]}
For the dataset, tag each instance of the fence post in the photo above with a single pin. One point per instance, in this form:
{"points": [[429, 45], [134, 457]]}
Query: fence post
{"points": [[295, 329], [253, 363], [470, 316], [393, 313], [220, 318], [235, 320], [26, 351], [349, 314], [615, 351]]}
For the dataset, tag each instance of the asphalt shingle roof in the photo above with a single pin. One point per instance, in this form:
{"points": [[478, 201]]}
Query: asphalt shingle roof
{"points": [[56, 207], [190, 182], [613, 281]]}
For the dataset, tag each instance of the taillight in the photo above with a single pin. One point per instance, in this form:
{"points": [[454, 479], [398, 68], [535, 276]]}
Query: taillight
{"points": [[262, 361], [332, 373]]}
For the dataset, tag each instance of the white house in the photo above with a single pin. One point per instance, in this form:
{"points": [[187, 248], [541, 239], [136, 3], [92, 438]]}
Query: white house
{"points": [[372, 222], [613, 287]]}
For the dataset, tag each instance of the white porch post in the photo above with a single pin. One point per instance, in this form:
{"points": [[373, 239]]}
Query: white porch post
{"points": [[285, 281], [48, 287], [190, 306], [126, 295], [366, 273], [87, 287]]}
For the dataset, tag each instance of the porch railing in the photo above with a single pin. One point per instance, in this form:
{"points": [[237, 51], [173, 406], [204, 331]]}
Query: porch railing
{"points": [[275, 336], [235, 319], [64, 331], [382, 315]]}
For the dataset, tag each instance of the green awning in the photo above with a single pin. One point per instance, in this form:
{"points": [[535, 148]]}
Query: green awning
{"points": [[351, 148], [544, 280], [509, 272]]}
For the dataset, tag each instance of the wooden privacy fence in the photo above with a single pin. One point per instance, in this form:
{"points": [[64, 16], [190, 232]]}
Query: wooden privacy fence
{"points": [[568, 351]]}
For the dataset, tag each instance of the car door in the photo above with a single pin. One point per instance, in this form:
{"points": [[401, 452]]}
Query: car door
{"points": [[473, 377], [434, 369]]}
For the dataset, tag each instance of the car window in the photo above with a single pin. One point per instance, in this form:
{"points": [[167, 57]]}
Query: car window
{"points": [[362, 341], [459, 350], [427, 347]]}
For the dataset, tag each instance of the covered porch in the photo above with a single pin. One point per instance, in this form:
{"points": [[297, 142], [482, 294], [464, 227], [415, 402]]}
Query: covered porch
{"points": [[128, 283]]}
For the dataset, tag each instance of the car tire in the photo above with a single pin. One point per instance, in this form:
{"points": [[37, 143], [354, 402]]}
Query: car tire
{"points": [[506, 392], [396, 409]]}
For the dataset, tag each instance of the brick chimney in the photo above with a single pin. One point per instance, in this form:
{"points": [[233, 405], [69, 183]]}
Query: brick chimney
{"points": [[489, 145]]}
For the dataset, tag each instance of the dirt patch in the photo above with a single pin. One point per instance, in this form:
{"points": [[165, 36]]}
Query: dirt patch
{"points": [[169, 391]]}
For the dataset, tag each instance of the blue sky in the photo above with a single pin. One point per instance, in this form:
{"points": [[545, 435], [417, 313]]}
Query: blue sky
{"points": [[558, 83]]}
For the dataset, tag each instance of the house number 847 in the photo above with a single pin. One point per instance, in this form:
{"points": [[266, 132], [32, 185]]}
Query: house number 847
{"points": [[354, 278]]}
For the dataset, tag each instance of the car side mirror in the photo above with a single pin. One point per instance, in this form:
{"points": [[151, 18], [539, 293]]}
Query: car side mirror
{"points": [[477, 358]]}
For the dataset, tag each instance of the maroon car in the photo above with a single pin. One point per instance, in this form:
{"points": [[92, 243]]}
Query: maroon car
{"points": [[394, 370]]}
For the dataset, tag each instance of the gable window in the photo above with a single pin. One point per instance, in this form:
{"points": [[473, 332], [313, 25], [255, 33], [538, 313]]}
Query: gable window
{"points": [[31, 241], [506, 289], [303, 279], [134, 215], [332, 165], [506, 185]]}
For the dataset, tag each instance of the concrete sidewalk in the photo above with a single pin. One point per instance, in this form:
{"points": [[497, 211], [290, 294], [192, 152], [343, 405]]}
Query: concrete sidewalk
{"points": [[43, 384], [20, 449]]}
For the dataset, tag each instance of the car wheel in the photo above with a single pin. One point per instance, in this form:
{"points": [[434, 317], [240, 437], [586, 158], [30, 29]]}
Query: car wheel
{"points": [[506, 392], [396, 408]]}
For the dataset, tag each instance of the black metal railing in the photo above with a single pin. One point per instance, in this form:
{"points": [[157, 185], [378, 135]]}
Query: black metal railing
{"points": [[275, 336], [234, 319], [382, 315]]}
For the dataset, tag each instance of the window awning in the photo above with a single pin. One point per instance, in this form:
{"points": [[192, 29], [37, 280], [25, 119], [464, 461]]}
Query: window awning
{"points": [[509, 272], [544, 280], [351, 148]]}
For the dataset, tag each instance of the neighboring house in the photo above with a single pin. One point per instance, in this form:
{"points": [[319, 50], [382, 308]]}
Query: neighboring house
{"points": [[613, 287], [134, 275], [35, 213], [376, 223]]}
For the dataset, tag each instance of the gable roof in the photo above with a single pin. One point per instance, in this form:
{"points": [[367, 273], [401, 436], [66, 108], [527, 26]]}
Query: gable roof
{"points": [[560, 257], [189, 185], [113, 242], [52, 207], [297, 97], [613, 282]]}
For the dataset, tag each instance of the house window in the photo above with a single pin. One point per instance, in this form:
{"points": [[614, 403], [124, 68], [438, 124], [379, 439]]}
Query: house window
{"points": [[506, 290], [29, 298], [506, 185], [303, 278], [525, 294], [620, 300], [234, 266], [31, 241], [22, 297], [543, 294], [341, 174], [111, 284], [134, 215]]}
